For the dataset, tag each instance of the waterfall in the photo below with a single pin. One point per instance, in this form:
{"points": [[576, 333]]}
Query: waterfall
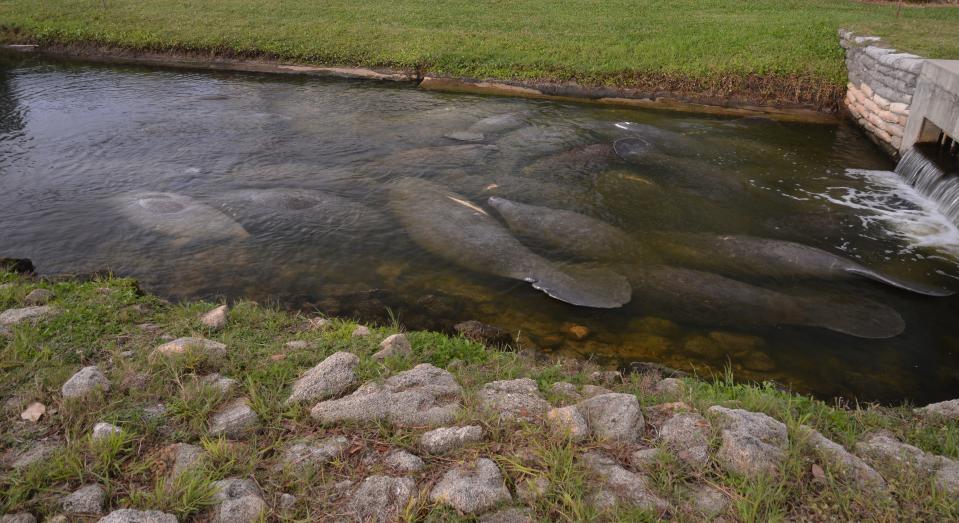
{"points": [[932, 181]]}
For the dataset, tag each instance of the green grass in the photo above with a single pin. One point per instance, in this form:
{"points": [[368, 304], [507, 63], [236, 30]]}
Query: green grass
{"points": [[611, 42], [99, 325]]}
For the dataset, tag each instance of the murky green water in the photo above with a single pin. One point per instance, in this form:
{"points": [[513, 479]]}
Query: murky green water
{"points": [[79, 145]]}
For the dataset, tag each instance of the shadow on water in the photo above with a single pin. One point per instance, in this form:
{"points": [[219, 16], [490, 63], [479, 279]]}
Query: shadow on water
{"points": [[283, 196]]}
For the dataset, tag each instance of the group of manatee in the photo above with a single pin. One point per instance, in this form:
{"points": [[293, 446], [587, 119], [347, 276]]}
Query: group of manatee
{"points": [[686, 275]]}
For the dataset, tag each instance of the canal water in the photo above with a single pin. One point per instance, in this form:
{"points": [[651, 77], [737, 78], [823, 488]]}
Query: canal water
{"points": [[283, 190]]}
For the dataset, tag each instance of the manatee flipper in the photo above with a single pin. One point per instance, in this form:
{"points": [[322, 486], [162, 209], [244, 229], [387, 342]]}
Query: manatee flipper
{"points": [[582, 285], [861, 318], [915, 287]]}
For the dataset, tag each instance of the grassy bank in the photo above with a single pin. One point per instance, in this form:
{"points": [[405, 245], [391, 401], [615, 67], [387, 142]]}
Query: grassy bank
{"points": [[109, 324], [680, 42]]}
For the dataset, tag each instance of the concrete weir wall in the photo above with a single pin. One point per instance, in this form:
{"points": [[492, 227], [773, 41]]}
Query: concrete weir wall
{"points": [[882, 83]]}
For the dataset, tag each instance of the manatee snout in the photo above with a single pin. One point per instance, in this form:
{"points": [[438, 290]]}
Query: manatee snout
{"points": [[497, 203]]}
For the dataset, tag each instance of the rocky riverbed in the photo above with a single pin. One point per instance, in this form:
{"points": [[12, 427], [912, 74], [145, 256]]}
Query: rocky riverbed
{"points": [[122, 408]]}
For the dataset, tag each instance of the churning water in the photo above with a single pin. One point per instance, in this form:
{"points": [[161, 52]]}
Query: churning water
{"points": [[365, 200]]}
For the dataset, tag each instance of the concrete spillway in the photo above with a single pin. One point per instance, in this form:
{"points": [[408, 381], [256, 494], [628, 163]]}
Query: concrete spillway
{"points": [[935, 105]]}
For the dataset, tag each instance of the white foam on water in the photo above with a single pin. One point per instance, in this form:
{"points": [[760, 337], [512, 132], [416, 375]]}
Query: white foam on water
{"points": [[888, 201]]}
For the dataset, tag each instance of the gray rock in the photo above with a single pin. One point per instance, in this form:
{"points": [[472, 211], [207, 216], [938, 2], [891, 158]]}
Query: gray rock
{"points": [[297, 345], [393, 345], [686, 434], [381, 498], [707, 501], [402, 461], [330, 377], [849, 465], [752, 442], [235, 488], [588, 391], [246, 509], [314, 454], [318, 324], [646, 459], [103, 430], [286, 503], [33, 314], [884, 451], [445, 439], [85, 381], [472, 489], [38, 297], [59, 518], [943, 409], [35, 454], [202, 346], [361, 331], [185, 457], [215, 319], [568, 422], [88, 499], [221, 383], [127, 515], [422, 396], [628, 488], [613, 416], [566, 390], [532, 488], [606, 377], [507, 515], [234, 420], [669, 387], [514, 400], [20, 517]]}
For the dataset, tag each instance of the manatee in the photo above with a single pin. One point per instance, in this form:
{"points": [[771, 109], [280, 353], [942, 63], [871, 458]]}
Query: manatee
{"points": [[430, 159], [702, 297], [453, 228], [585, 159], [751, 256], [498, 123], [307, 211], [178, 216]]}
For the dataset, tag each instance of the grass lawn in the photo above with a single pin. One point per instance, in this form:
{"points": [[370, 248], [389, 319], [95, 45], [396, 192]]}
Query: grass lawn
{"points": [[609, 42]]}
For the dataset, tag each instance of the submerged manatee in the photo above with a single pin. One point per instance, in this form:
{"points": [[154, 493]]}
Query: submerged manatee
{"points": [[584, 160], [449, 226], [702, 297], [307, 211], [178, 216], [750, 256]]}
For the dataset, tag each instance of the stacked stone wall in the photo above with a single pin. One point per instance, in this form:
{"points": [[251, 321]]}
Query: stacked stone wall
{"points": [[880, 88]]}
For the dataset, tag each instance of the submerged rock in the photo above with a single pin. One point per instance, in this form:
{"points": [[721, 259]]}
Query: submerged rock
{"points": [[514, 400], [331, 377], [424, 395], [472, 489], [381, 499]]}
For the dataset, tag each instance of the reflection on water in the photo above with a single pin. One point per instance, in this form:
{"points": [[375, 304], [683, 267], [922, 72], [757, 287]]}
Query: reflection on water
{"points": [[279, 190]]}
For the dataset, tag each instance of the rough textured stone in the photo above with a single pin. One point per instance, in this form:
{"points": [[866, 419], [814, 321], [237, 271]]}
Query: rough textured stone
{"points": [[472, 489], [588, 391], [85, 381], [38, 297], [88, 499], [850, 466], [235, 488], [626, 487], [707, 501], [330, 377], [422, 396], [215, 319], [138, 516], [532, 488], [445, 439], [246, 509], [381, 498], [752, 443], [883, 450], [286, 503], [943, 409], [20, 517], [35, 454], [185, 457], [234, 420], [613, 416], [507, 515], [606, 377], [514, 400], [669, 386], [202, 346], [646, 458], [296, 345], [314, 454], [361, 331], [566, 390], [687, 435], [103, 430], [318, 324], [221, 383], [568, 422], [33, 314], [393, 345], [402, 461], [489, 335]]}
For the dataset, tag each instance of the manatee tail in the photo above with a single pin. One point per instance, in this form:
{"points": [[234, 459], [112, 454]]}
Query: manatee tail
{"points": [[861, 318], [918, 288], [583, 285]]}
